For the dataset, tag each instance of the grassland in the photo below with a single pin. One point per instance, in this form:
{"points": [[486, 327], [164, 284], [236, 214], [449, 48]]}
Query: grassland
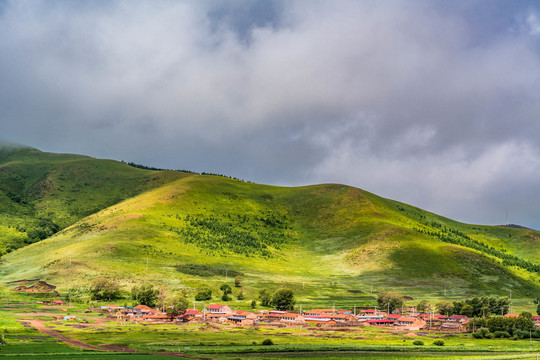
{"points": [[331, 243], [42, 193]]}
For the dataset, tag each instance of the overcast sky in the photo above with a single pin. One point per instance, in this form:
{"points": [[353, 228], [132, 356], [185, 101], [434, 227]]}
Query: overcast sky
{"points": [[433, 103]]}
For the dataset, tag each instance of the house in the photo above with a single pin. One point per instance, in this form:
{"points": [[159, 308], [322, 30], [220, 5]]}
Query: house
{"points": [[243, 318], [143, 309], [394, 316], [267, 317], [383, 322], [370, 314], [536, 320], [218, 309], [292, 318], [319, 312], [343, 318], [190, 315], [58, 302], [156, 317], [318, 319], [130, 311], [277, 312], [458, 318], [410, 323], [217, 317], [510, 315], [110, 308], [435, 320]]}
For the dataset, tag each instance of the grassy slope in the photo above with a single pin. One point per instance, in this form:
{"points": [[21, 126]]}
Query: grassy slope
{"points": [[328, 242], [63, 188]]}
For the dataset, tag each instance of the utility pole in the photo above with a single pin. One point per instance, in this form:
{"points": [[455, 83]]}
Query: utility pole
{"points": [[372, 288], [354, 310]]}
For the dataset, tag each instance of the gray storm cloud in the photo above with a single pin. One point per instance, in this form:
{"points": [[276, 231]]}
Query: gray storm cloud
{"points": [[411, 100]]}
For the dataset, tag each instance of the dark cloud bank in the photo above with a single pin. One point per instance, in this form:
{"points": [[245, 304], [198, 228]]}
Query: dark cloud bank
{"points": [[433, 103]]}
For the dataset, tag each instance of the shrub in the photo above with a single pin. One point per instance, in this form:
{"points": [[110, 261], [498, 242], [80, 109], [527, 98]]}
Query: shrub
{"points": [[438, 342], [203, 295], [418, 342], [105, 289], [501, 334], [206, 270], [267, 342], [481, 333]]}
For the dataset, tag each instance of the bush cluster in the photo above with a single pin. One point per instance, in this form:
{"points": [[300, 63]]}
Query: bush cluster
{"points": [[453, 236], [249, 235]]}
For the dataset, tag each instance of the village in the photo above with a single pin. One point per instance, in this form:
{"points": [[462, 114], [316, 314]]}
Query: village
{"points": [[224, 315]]}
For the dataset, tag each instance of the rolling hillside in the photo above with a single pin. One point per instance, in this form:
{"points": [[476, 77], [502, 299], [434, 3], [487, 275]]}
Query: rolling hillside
{"points": [[42, 193], [330, 243]]}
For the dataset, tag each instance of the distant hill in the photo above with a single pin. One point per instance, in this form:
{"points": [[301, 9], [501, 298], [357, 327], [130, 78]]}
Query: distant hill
{"points": [[179, 230]]}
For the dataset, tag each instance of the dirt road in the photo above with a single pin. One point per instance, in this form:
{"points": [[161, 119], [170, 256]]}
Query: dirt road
{"points": [[38, 325]]}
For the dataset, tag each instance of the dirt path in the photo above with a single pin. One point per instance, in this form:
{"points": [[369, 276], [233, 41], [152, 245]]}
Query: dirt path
{"points": [[38, 325]]}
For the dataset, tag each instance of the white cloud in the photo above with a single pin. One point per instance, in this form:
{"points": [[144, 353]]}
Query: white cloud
{"points": [[534, 24]]}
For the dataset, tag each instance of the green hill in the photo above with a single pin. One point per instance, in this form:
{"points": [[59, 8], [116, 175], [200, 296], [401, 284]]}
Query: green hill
{"points": [[42, 193], [330, 243]]}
